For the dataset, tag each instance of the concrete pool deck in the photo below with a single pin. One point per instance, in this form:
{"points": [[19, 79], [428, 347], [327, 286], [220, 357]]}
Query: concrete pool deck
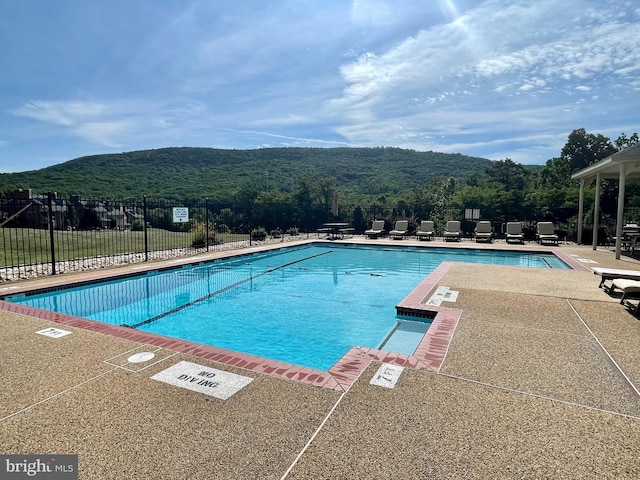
{"points": [[539, 380]]}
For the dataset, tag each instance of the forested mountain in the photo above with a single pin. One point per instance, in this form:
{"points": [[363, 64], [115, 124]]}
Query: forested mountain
{"points": [[388, 181], [220, 174]]}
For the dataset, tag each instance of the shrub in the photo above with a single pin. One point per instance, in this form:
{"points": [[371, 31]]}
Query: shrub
{"points": [[200, 240], [137, 225], [258, 234]]}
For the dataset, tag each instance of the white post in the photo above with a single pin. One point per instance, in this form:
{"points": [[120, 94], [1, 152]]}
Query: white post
{"points": [[620, 216], [580, 211], [596, 212]]}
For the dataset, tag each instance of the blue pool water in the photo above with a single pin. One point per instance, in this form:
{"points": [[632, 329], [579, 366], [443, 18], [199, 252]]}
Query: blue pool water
{"points": [[304, 305]]}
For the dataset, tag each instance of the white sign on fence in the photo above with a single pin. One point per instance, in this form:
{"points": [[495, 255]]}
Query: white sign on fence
{"points": [[180, 214]]}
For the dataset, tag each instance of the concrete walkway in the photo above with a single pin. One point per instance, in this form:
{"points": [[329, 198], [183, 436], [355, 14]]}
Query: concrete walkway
{"points": [[540, 380]]}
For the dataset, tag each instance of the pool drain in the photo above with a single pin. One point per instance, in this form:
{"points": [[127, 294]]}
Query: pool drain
{"points": [[141, 357]]}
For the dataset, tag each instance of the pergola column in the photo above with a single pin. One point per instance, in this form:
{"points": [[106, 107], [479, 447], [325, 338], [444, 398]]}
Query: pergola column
{"points": [[580, 211], [596, 212], [620, 215]]}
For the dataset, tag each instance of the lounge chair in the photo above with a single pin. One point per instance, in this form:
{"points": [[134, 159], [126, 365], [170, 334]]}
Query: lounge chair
{"points": [[514, 232], [630, 290], [484, 231], [377, 228], [425, 230], [546, 233], [452, 231], [400, 230], [605, 238], [628, 239], [630, 235], [613, 273]]}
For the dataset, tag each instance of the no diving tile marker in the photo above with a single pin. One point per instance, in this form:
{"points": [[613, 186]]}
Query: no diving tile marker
{"points": [[53, 332], [387, 375], [207, 380]]}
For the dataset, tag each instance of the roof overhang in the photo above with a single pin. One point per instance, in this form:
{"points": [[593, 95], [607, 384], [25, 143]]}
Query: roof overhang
{"points": [[610, 167]]}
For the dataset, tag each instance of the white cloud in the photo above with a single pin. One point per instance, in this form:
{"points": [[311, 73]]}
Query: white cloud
{"points": [[92, 121], [103, 133], [372, 12], [497, 56], [115, 123], [473, 45], [60, 113], [297, 141]]}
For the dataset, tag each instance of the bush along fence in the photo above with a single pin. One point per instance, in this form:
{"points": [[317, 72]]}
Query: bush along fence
{"points": [[47, 235]]}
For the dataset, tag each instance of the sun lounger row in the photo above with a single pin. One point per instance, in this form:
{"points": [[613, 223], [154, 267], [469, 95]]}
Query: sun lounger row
{"points": [[426, 230], [400, 229], [545, 231]]}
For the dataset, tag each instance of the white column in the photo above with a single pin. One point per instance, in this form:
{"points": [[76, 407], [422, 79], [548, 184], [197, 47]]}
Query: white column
{"points": [[620, 216], [580, 211], [596, 212]]}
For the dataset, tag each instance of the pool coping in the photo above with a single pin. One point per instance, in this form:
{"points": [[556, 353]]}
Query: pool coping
{"points": [[428, 356]]}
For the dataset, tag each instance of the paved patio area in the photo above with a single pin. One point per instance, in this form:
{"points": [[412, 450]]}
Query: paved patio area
{"points": [[540, 380]]}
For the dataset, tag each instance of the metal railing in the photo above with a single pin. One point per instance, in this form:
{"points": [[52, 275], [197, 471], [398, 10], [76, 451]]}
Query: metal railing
{"points": [[47, 235]]}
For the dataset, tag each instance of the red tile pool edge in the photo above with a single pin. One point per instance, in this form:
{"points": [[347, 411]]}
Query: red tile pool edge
{"points": [[341, 375], [572, 262]]}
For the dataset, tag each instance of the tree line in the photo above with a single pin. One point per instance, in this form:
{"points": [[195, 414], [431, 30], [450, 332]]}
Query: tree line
{"points": [[509, 191], [384, 182]]}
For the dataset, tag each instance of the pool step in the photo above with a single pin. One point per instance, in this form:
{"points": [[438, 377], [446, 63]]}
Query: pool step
{"points": [[405, 337]]}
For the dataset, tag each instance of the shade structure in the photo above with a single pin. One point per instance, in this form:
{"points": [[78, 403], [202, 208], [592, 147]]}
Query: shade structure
{"points": [[620, 165]]}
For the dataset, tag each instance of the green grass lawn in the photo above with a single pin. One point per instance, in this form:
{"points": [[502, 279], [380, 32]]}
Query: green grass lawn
{"points": [[24, 246]]}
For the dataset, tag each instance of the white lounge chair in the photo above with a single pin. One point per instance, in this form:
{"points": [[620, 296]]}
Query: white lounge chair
{"points": [[613, 273], [546, 233], [514, 232], [452, 231], [630, 290], [377, 228], [484, 231], [400, 229], [425, 230]]}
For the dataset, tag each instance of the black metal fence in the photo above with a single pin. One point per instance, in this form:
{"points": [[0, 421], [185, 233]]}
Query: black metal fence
{"points": [[47, 235]]}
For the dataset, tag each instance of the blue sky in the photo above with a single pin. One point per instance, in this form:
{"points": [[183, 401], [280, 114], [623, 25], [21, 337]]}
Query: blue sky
{"points": [[496, 79]]}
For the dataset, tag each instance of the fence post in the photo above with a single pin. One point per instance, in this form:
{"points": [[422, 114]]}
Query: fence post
{"points": [[51, 237], [146, 240], [206, 222], [283, 230], [250, 235]]}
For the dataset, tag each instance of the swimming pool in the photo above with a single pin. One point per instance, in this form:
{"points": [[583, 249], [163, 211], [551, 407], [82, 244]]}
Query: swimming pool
{"points": [[305, 305]]}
